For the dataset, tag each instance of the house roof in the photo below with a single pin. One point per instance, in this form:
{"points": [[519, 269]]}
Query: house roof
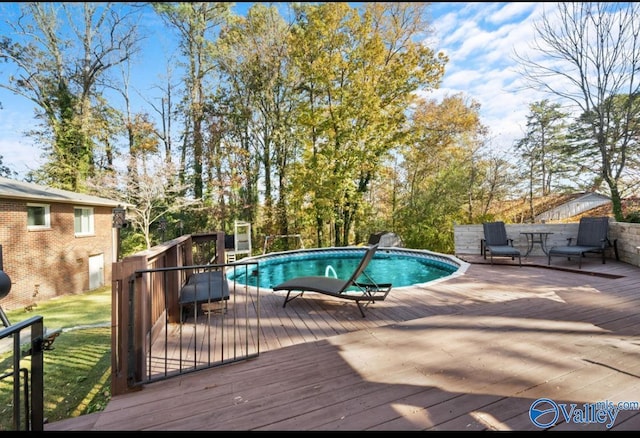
{"points": [[576, 205], [13, 189]]}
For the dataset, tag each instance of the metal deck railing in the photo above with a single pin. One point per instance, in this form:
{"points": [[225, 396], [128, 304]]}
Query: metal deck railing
{"points": [[157, 333], [219, 320], [27, 378]]}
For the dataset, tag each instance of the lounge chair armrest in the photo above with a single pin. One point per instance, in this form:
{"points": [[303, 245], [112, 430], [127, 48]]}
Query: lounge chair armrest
{"points": [[374, 286]]}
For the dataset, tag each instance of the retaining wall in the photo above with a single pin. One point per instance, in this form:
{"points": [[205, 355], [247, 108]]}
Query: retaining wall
{"points": [[467, 238]]}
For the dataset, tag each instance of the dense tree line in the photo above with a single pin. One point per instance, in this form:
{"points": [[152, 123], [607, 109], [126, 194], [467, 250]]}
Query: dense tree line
{"points": [[307, 121]]}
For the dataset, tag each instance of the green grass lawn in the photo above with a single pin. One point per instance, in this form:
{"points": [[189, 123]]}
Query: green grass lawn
{"points": [[77, 370]]}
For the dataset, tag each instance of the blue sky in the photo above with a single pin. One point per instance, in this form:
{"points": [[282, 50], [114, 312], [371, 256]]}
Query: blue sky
{"points": [[479, 39]]}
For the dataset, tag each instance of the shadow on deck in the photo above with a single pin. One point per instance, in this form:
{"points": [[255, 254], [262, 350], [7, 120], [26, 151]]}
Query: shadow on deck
{"points": [[473, 352]]}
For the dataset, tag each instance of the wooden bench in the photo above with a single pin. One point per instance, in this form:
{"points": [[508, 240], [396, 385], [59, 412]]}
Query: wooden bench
{"points": [[204, 288]]}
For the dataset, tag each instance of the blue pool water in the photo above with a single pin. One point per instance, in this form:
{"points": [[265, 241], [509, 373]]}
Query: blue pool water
{"points": [[400, 267]]}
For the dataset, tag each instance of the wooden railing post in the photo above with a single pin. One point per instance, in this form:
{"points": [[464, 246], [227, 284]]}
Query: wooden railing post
{"points": [[220, 258], [121, 348], [173, 283]]}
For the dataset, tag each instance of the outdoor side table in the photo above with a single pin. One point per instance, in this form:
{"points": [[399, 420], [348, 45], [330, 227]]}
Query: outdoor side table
{"points": [[541, 240]]}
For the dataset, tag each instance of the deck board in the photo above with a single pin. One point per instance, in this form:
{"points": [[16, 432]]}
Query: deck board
{"points": [[469, 353]]}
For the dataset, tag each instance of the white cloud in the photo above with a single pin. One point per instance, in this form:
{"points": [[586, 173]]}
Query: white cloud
{"points": [[480, 40], [511, 11]]}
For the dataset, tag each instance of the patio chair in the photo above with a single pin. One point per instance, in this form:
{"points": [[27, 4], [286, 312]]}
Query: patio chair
{"points": [[350, 289], [204, 288], [592, 237], [496, 242]]}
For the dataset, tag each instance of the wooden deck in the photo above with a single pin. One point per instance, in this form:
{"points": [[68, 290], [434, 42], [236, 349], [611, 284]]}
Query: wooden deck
{"points": [[469, 353]]}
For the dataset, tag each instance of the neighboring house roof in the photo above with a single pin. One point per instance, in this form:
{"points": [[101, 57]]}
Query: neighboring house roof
{"points": [[13, 189], [574, 207]]}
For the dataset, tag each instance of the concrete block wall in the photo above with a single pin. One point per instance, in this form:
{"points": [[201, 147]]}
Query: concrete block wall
{"points": [[467, 238], [628, 236]]}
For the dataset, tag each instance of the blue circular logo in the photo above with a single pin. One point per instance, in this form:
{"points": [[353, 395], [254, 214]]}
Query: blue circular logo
{"points": [[544, 412]]}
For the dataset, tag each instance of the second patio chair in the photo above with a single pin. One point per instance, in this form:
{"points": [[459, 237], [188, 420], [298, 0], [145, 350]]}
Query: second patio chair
{"points": [[592, 237], [496, 242]]}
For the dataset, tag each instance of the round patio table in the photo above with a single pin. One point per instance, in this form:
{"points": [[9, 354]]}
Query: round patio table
{"points": [[541, 239]]}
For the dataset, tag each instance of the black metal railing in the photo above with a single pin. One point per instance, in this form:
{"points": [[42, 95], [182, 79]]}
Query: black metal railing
{"points": [[218, 320], [28, 379], [161, 328]]}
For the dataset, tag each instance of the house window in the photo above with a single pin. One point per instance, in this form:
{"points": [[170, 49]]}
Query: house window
{"points": [[83, 220], [38, 216]]}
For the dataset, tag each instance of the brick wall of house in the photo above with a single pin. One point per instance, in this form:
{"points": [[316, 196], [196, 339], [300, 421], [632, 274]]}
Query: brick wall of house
{"points": [[43, 264]]}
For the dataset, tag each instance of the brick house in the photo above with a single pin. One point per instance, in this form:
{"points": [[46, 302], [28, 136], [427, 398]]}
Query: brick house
{"points": [[54, 242]]}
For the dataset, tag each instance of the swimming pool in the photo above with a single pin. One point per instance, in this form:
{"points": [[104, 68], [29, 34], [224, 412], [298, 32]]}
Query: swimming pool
{"points": [[398, 266]]}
